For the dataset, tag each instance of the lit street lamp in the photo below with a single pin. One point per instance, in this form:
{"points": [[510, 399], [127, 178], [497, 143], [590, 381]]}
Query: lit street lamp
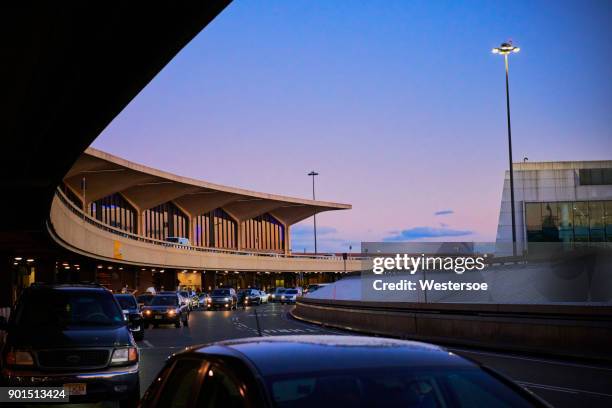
{"points": [[506, 49], [314, 216]]}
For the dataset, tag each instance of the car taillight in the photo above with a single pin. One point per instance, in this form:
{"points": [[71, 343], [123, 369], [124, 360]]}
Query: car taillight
{"points": [[19, 357], [124, 356]]}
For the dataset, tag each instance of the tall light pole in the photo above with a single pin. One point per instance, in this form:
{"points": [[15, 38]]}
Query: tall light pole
{"points": [[506, 49], [313, 174]]}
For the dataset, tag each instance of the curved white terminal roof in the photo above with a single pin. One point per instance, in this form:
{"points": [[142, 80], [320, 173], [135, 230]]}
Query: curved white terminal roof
{"points": [[145, 187]]}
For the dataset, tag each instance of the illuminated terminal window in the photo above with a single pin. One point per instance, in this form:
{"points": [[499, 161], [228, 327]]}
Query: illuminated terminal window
{"points": [[216, 229], [263, 233], [577, 221], [115, 211], [165, 220]]}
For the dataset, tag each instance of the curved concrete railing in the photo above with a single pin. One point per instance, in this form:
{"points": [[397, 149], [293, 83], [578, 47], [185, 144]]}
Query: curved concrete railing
{"points": [[81, 233], [567, 330]]}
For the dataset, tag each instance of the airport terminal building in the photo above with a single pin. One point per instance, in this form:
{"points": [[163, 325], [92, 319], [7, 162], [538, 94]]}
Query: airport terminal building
{"points": [[126, 225], [557, 202]]}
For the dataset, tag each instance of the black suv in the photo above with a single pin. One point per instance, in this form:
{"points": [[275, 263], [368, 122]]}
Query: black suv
{"points": [[73, 336]]}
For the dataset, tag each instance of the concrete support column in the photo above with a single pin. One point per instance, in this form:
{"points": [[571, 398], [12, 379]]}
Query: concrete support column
{"points": [[287, 239], [192, 230], [240, 229], [140, 222]]}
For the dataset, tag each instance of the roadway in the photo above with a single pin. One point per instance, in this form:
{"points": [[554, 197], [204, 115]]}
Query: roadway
{"points": [[561, 383]]}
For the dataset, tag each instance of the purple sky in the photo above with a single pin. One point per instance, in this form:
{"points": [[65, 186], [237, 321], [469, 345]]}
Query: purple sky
{"points": [[399, 106]]}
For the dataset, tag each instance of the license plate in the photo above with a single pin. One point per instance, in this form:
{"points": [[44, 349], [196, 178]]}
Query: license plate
{"points": [[158, 317], [76, 388]]}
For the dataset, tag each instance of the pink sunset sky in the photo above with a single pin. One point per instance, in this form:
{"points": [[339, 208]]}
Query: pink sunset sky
{"points": [[400, 107]]}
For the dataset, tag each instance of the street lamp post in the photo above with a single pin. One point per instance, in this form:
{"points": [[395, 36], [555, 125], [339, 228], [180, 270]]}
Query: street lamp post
{"points": [[313, 174], [506, 49]]}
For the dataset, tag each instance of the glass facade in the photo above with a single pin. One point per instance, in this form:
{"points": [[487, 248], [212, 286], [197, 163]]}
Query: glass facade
{"points": [[216, 229], [115, 211], [578, 221], [263, 233], [165, 220]]}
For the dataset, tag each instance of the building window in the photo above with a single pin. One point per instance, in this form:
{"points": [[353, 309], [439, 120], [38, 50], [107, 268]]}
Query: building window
{"points": [[165, 220], [578, 221], [595, 177], [216, 229], [115, 211], [263, 233]]}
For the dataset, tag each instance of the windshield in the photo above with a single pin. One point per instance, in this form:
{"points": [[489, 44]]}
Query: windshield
{"points": [[127, 302], [291, 292], [221, 292], [146, 299], [62, 308], [403, 387], [164, 301], [280, 290]]}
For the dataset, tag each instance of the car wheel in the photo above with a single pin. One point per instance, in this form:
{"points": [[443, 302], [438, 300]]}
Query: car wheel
{"points": [[177, 324]]}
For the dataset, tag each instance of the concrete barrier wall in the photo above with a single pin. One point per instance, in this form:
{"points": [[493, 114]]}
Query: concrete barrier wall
{"points": [[565, 330]]}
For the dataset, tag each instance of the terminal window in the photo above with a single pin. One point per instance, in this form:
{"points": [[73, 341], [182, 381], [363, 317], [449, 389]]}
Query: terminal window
{"points": [[595, 177], [577, 221]]}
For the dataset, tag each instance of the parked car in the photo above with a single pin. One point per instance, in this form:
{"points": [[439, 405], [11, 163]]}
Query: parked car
{"points": [[251, 297], [166, 309], [223, 298], [203, 300], [132, 312], [348, 371], [276, 295], [71, 336], [179, 241], [144, 299], [263, 296], [187, 298], [289, 296]]}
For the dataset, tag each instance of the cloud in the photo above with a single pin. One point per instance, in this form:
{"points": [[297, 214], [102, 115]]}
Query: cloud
{"points": [[415, 233], [444, 212]]}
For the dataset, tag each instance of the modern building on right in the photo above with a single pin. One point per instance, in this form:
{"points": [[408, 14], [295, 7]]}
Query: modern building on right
{"points": [[557, 202]]}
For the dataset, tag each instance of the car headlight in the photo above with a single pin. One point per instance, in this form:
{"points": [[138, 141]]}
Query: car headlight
{"points": [[171, 312], [272, 296], [226, 299], [124, 355], [19, 357], [147, 312]]}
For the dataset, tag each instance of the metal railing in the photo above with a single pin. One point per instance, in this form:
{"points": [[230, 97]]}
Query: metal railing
{"points": [[129, 235]]}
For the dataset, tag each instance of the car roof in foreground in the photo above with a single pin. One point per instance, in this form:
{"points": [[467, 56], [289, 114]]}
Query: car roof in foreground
{"points": [[76, 287], [276, 355]]}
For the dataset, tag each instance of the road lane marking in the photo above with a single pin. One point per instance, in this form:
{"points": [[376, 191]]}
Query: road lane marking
{"points": [[537, 360], [148, 343], [562, 389]]}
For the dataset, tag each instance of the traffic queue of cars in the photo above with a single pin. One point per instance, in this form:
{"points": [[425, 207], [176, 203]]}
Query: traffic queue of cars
{"points": [[78, 337]]}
